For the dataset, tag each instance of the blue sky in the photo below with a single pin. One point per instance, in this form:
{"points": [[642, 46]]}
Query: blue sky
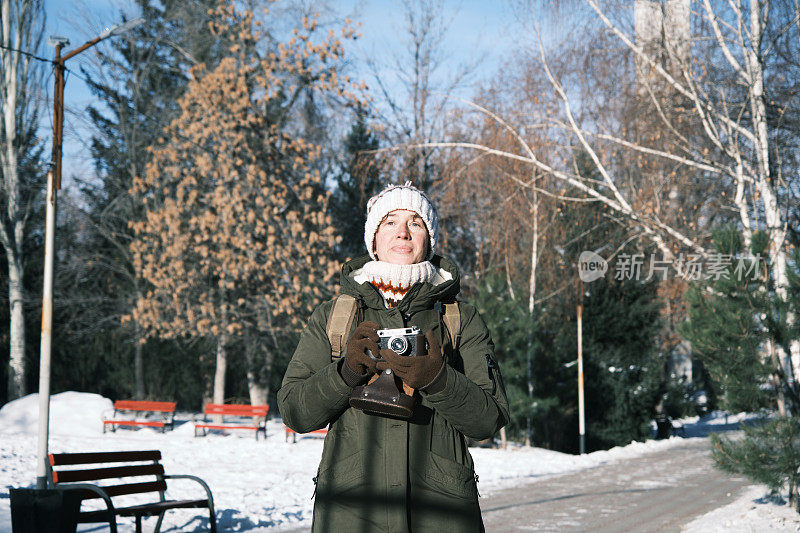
{"points": [[478, 28]]}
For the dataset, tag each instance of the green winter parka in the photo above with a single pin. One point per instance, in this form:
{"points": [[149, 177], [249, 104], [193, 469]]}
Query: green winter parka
{"points": [[389, 475]]}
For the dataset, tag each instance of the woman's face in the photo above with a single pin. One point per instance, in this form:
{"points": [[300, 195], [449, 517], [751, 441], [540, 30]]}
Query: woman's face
{"points": [[402, 238]]}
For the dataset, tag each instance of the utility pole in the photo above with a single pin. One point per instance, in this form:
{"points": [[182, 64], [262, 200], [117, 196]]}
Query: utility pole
{"points": [[581, 410], [581, 406], [53, 185]]}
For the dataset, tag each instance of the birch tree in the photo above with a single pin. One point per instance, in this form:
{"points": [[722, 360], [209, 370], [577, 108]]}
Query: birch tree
{"points": [[21, 27], [720, 90], [734, 119]]}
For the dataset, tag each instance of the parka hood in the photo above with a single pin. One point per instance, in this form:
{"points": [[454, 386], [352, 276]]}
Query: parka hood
{"points": [[420, 296]]}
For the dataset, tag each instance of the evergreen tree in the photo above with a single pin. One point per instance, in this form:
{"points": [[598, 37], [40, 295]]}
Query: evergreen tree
{"points": [[623, 367], [732, 320], [357, 181], [624, 370], [142, 78], [768, 453], [736, 322], [508, 320]]}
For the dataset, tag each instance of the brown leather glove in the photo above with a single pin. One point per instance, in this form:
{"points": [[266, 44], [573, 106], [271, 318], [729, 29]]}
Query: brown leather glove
{"points": [[363, 338], [418, 371]]}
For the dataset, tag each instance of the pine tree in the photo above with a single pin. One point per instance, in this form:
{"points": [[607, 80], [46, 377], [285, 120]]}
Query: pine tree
{"points": [[736, 321], [140, 81], [768, 453], [623, 366], [623, 369], [733, 322], [357, 181], [508, 320]]}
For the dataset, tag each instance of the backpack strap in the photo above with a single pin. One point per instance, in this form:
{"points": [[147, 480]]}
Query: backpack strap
{"points": [[452, 319], [340, 320]]}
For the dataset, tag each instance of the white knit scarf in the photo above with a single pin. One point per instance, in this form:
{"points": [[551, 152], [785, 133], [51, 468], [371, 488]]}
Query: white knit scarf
{"points": [[393, 281]]}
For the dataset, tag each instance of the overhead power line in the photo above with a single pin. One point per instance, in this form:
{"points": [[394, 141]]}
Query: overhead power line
{"points": [[26, 53]]}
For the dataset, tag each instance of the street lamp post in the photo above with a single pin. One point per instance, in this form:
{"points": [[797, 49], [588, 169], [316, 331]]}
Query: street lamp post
{"points": [[581, 407], [53, 185]]}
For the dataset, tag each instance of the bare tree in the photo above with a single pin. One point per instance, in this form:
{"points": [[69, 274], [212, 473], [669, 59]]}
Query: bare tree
{"points": [[734, 119], [21, 27], [413, 109], [729, 151]]}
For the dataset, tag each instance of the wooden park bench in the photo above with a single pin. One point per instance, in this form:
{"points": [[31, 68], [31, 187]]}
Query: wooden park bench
{"points": [[124, 471], [293, 433], [233, 416], [129, 413]]}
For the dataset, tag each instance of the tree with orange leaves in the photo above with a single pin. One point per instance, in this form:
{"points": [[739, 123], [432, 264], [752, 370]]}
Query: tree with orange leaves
{"points": [[236, 239]]}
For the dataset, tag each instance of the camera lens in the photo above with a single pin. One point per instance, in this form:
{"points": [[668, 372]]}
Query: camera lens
{"points": [[398, 344]]}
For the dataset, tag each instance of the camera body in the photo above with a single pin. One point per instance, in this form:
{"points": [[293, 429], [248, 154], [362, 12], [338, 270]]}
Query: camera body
{"points": [[402, 341], [386, 395]]}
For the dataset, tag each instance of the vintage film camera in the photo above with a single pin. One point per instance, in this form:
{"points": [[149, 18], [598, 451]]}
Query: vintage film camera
{"points": [[402, 341], [385, 395]]}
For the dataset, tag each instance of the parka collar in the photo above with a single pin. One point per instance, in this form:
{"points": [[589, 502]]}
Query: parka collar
{"points": [[420, 296]]}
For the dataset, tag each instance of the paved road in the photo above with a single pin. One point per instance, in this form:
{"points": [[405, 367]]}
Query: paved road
{"points": [[657, 492]]}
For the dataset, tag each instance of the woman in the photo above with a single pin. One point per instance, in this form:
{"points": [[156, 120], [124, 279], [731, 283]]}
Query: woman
{"points": [[380, 473]]}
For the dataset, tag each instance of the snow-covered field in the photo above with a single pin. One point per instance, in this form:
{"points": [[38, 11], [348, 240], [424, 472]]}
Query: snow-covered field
{"points": [[267, 485]]}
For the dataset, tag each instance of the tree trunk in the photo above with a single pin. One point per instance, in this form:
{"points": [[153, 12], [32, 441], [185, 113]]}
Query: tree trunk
{"points": [[531, 308], [138, 363], [219, 370], [16, 362], [764, 183], [269, 359], [208, 392], [219, 375], [776, 379], [255, 383], [15, 29]]}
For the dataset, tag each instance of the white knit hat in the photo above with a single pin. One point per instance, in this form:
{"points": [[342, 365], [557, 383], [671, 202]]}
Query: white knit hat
{"points": [[394, 197]]}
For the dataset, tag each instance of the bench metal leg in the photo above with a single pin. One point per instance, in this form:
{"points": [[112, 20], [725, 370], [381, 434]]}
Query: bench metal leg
{"points": [[138, 523], [212, 519], [112, 522], [158, 524]]}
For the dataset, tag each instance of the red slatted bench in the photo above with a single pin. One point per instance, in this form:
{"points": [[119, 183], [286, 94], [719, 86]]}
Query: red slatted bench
{"points": [[132, 409], [234, 416], [129, 472], [293, 433]]}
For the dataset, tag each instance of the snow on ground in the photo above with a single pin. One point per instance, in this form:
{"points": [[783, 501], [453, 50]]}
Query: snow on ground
{"points": [[751, 512], [262, 486]]}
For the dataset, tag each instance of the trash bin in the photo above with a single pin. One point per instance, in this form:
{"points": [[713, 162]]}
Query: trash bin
{"points": [[44, 510], [663, 427]]}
